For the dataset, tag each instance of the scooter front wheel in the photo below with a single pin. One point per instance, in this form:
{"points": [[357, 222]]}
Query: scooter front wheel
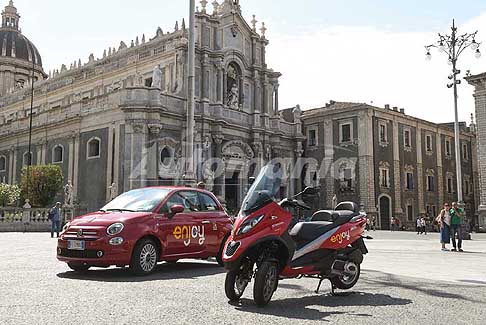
{"points": [[266, 281], [235, 285]]}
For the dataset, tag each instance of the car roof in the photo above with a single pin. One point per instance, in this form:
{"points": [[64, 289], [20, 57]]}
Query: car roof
{"points": [[176, 188]]}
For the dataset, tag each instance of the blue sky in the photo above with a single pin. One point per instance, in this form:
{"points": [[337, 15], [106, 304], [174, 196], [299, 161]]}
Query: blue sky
{"points": [[349, 50]]}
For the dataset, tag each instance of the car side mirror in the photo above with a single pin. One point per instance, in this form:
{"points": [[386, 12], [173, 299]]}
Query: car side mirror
{"points": [[175, 209]]}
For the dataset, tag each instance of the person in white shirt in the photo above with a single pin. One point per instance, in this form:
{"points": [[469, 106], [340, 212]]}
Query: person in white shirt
{"points": [[444, 221]]}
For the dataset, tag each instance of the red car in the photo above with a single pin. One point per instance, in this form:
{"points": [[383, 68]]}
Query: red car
{"points": [[142, 227]]}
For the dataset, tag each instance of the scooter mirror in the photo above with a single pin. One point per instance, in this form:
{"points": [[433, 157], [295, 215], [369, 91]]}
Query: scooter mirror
{"points": [[310, 190]]}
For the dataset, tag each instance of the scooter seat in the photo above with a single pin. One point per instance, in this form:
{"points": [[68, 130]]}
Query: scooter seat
{"points": [[305, 232]]}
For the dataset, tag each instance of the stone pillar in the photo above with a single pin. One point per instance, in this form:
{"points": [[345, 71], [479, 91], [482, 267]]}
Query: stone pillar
{"points": [[109, 163], [205, 79], [397, 173], [14, 165], [117, 160], [219, 180], [276, 98], [328, 163], [11, 165], [420, 171], [440, 171], [138, 157], [479, 82], [219, 87], [76, 157], [366, 162]]}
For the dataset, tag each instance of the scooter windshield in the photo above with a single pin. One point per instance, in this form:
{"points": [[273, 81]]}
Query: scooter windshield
{"points": [[264, 189]]}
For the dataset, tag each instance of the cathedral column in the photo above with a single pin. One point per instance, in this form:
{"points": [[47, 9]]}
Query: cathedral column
{"points": [[397, 174], [328, 162], [14, 165], [440, 171], [11, 165], [276, 97], [420, 171], [76, 148], [366, 162], [109, 163], [219, 185], [220, 82]]}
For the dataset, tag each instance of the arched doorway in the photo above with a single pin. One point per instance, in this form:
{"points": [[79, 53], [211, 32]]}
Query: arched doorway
{"points": [[385, 211]]}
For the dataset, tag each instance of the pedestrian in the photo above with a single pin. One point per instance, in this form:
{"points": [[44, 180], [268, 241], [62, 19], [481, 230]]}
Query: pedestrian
{"points": [[55, 217], [373, 223], [444, 222], [423, 225], [368, 222], [456, 221], [418, 225], [392, 224], [397, 224]]}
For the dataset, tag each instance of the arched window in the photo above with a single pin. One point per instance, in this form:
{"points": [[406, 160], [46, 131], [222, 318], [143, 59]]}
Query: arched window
{"points": [[3, 163], [166, 156], [58, 154], [93, 148]]}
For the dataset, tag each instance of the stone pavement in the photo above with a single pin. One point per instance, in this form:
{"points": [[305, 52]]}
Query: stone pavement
{"points": [[406, 279]]}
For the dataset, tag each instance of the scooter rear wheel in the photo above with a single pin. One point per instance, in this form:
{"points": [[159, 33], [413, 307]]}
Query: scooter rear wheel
{"points": [[266, 281], [349, 280], [235, 285]]}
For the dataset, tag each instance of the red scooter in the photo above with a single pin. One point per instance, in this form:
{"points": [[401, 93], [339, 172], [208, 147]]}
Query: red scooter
{"points": [[269, 244]]}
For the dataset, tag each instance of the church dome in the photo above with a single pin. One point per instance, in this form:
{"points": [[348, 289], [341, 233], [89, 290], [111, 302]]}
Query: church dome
{"points": [[15, 45], [20, 61]]}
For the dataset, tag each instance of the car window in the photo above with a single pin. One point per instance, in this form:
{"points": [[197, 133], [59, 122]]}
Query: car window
{"points": [[175, 199], [190, 201], [208, 203]]}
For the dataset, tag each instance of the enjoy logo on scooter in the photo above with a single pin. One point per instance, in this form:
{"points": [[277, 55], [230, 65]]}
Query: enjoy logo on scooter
{"points": [[340, 237]]}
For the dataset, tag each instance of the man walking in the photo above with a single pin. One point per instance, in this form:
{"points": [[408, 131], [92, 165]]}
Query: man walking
{"points": [[55, 217], [423, 224], [418, 225], [456, 220]]}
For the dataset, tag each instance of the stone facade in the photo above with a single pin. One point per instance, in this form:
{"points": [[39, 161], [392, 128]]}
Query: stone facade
{"points": [[391, 163], [479, 82], [118, 121]]}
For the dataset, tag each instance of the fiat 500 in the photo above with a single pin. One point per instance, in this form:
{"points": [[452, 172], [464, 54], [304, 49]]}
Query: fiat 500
{"points": [[145, 226]]}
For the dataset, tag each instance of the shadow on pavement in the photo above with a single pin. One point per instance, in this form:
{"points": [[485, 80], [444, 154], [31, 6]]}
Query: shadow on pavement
{"points": [[431, 288], [165, 271], [301, 308]]}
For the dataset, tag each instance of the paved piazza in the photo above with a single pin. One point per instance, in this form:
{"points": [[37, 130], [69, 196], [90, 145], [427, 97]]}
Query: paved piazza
{"points": [[405, 280]]}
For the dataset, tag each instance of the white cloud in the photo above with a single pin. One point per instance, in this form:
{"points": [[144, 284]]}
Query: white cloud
{"points": [[364, 64]]}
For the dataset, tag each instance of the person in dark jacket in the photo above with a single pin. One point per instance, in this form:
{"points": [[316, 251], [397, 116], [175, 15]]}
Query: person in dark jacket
{"points": [[55, 218]]}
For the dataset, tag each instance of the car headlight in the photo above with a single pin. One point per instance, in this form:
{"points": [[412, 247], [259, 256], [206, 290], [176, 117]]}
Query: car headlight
{"points": [[250, 224], [66, 226], [115, 229]]}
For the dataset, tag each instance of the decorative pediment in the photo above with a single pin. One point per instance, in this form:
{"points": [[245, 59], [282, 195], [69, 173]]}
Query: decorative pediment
{"points": [[409, 168], [237, 149], [384, 164]]}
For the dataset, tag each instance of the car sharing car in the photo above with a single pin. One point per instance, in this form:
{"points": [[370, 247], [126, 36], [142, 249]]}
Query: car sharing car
{"points": [[145, 226]]}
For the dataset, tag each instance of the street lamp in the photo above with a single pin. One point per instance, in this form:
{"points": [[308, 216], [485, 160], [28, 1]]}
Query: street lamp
{"points": [[453, 45]]}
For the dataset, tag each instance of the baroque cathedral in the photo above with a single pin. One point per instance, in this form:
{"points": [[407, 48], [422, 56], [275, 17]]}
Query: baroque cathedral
{"points": [[119, 122]]}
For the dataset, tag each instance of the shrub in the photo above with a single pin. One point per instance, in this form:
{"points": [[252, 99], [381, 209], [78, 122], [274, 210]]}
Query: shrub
{"points": [[44, 183], [9, 194]]}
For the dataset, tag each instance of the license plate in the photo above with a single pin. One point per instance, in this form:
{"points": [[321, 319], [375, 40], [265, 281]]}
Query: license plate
{"points": [[76, 245]]}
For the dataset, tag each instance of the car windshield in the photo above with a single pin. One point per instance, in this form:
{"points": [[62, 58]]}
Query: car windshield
{"points": [[264, 189], [141, 200]]}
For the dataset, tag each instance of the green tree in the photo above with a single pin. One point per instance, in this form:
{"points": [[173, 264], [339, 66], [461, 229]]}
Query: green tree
{"points": [[43, 184], [9, 194]]}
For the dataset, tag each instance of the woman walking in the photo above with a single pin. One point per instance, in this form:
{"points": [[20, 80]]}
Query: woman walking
{"points": [[444, 221]]}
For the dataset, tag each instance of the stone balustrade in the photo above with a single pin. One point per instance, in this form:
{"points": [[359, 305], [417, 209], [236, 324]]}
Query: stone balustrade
{"points": [[32, 220]]}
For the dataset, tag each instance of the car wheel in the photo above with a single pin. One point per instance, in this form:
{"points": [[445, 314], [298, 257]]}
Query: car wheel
{"points": [[78, 267], [266, 281], [219, 257], [349, 278], [144, 258]]}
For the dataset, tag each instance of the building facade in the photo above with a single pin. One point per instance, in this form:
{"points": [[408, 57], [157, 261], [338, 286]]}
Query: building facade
{"points": [[119, 122], [391, 163], [479, 83]]}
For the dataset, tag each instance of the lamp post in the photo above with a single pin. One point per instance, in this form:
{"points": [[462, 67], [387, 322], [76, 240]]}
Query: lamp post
{"points": [[453, 45]]}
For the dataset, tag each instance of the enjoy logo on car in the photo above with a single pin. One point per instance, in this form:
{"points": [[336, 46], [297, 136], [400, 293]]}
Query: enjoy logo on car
{"points": [[187, 232]]}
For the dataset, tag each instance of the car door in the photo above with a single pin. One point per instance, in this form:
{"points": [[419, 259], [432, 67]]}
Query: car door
{"points": [[177, 231], [212, 217]]}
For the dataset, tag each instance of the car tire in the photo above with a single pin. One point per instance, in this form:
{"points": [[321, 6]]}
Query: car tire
{"points": [[346, 282], [78, 267], [144, 257], [266, 282], [219, 257]]}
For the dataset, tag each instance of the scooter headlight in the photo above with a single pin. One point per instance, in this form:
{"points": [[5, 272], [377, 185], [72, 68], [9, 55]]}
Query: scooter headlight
{"points": [[249, 225]]}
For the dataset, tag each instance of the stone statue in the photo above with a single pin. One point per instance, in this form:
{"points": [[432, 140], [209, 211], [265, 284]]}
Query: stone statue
{"points": [[113, 191], [208, 177], [233, 100], [138, 80], [157, 78], [68, 194], [334, 201]]}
